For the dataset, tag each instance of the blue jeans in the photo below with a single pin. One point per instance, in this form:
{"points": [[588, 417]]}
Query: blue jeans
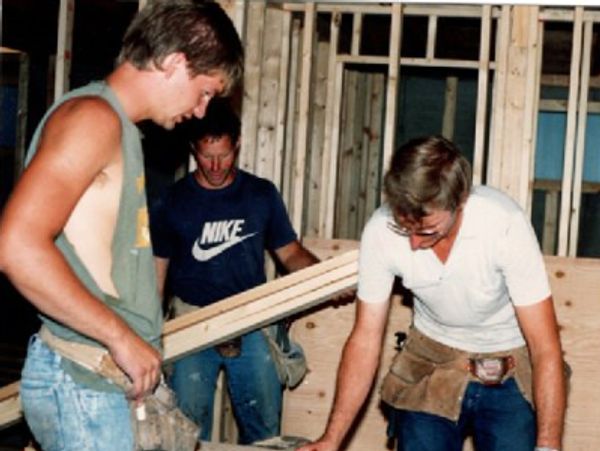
{"points": [[252, 381], [66, 416], [499, 418]]}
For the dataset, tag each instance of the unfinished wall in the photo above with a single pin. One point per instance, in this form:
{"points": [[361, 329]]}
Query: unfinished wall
{"points": [[325, 103]]}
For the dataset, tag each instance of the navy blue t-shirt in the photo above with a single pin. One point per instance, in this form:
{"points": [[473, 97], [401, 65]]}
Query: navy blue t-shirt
{"points": [[215, 238]]}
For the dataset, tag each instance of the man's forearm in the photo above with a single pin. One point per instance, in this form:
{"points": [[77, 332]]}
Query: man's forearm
{"points": [[355, 378], [550, 400]]}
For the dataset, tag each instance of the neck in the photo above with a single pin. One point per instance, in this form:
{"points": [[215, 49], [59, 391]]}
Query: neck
{"points": [[131, 86], [443, 247]]}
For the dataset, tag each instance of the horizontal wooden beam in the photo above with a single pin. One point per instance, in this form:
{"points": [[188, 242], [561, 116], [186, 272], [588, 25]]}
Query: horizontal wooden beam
{"points": [[386, 8], [232, 316], [10, 405]]}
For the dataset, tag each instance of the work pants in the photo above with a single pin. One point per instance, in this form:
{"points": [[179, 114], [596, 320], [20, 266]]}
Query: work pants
{"points": [[252, 382], [498, 417], [66, 416]]}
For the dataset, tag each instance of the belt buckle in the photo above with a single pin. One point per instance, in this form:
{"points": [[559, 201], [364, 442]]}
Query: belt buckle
{"points": [[231, 348], [491, 370]]}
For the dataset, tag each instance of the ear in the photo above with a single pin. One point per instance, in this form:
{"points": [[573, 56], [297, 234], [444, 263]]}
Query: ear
{"points": [[172, 62]]}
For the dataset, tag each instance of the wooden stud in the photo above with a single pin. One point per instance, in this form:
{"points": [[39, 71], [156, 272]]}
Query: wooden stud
{"points": [[270, 75], [292, 115], [389, 133], [356, 33], [329, 163], [22, 112], [448, 118], [349, 121], [63, 47], [567, 180], [317, 150], [363, 165], [431, 37], [497, 129], [373, 188], [526, 162], [550, 223], [303, 120], [482, 94], [334, 148], [285, 89], [252, 67], [582, 113], [536, 108]]}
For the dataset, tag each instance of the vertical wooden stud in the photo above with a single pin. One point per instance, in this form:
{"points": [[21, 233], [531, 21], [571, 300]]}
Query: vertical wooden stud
{"points": [[63, 47], [303, 120], [582, 112], [482, 93], [389, 134], [567, 180], [328, 172], [449, 116], [252, 67], [22, 111]]}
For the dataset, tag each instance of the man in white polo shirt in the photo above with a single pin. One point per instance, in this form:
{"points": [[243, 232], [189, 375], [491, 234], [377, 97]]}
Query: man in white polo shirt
{"points": [[483, 355]]}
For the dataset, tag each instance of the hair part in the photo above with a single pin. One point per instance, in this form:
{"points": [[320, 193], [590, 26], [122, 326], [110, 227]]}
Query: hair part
{"points": [[201, 31], [427, 173]]}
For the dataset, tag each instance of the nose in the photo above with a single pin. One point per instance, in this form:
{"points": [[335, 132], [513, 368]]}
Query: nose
{"points": [[416, 241], [214, 164], [200, 110]]}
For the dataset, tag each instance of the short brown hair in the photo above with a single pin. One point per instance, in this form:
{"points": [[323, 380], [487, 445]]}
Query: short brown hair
{"points": [[427, 173], [201, 31]]}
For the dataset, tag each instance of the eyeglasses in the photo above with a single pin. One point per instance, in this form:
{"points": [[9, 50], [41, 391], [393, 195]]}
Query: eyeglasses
{"points": [[442, 228], [406, 232]]}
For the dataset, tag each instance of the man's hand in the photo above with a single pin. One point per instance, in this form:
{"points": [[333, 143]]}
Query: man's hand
{"points": [[140, 361]]}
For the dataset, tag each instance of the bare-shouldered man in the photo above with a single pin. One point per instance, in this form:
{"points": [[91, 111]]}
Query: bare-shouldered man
{"points": [[74, 234]]}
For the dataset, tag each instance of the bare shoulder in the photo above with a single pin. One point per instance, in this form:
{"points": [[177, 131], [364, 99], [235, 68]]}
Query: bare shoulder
{"points": [[85, 124]]}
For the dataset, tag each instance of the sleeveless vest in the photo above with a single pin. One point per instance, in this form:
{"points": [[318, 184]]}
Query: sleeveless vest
{"points": [[132, 271]]}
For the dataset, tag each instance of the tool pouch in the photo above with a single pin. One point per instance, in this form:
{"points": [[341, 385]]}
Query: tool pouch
{"points": [[158, 425]]}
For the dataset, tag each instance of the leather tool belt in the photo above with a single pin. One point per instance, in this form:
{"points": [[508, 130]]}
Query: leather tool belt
{"points": [[157, 423], [428, 376], [491, 371], [230, 348]]}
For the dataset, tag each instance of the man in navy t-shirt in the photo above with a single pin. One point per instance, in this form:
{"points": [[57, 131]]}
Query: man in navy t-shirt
{"points": [[210, 232]]}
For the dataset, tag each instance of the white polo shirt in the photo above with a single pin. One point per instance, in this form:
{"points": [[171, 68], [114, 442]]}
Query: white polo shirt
{"points": [[467, 302]]}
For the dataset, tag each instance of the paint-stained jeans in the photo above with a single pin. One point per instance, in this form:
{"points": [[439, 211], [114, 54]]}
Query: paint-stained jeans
{"points": [[66, 416], [499, 418], [253, 385]]}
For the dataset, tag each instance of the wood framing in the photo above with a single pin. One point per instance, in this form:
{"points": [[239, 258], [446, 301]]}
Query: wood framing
{"points": [[567, 180], [63, 47], [582, 115]]}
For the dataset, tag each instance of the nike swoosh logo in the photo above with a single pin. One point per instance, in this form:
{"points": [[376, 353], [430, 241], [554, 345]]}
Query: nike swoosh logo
{"points": [[206, 254]]}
